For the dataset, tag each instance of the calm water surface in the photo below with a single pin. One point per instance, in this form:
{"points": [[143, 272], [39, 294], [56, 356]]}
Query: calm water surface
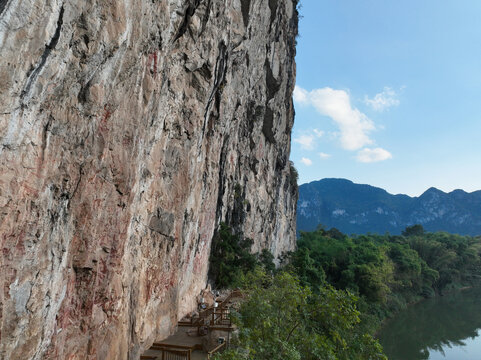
{"points": [[443, 328]]}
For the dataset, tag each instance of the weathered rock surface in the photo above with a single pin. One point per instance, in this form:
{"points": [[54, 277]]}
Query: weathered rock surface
{"points": [[128, 130]]}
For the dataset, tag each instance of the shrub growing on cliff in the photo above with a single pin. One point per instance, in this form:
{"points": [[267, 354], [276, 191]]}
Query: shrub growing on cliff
{"points": [[230, 257], [293, 175], [266, 260]]}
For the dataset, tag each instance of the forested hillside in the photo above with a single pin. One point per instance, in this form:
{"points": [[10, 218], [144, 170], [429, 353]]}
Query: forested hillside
{"points": [[359, 209]]}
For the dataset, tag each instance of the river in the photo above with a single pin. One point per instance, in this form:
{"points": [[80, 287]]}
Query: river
{"points": [[442, 328]]}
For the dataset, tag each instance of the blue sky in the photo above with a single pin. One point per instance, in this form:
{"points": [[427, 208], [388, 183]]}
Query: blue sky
{"points": [[389, 93]]}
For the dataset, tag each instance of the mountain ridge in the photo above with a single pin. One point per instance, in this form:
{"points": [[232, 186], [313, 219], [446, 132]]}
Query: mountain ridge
{"points": [[361, 208]]}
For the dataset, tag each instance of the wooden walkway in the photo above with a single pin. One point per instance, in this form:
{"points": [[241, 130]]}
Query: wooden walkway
{"points": [[189, 341]]}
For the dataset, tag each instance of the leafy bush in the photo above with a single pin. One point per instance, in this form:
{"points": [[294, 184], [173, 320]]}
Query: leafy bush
{"points": [[283, 320], [266, 260], [293, 175], [230, 257]]}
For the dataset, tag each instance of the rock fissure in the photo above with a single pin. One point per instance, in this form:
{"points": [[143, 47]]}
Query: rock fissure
{"points": [[273, 8], [219, 77], [245, 8], [46, 129], [43, 59], [187, 13], [3, 5]]}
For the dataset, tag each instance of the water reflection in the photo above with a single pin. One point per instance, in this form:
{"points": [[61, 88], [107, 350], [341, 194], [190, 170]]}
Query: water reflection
{"points": [[434, 326]]}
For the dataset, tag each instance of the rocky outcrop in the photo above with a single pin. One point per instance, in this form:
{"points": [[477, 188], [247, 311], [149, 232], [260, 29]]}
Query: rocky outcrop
{"points": [[129, 130]]}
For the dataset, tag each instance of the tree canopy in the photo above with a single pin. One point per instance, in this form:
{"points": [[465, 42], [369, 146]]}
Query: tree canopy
{"points": [[332, 293], [283, 320]]}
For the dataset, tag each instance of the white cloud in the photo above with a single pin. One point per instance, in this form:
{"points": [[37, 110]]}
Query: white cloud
{"points": [[306, 161], [384, 100], [306, 141], [368, 155], [354, 126], [324, 155], [300, 95]]}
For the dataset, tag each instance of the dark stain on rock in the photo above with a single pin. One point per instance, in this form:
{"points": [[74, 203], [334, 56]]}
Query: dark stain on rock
{"points": [[253, 165], [48, 49], [267, 126], [254, 114], [204, 70], [206, 16], [222, 178], [83, 94], [3, 4], [190, 9], [162, 222], [281, 162], [236, 217], [245, 7], [273, 8], [271, 83], [219, 79]]}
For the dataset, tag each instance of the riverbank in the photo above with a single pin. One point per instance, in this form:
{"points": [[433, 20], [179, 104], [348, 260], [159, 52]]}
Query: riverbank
{"points": [[388, 273], [444, 324], [384, 322]]}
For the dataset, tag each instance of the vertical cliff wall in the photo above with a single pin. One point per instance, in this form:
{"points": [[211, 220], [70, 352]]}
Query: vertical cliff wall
{"points": [[128, 130]]}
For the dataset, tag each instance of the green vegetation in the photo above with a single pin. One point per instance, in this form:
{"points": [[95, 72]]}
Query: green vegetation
{"points": [[284, 320], [388, 272], [415, 230], [230, 258], [331, 294], [293, 175], [286, 315]]}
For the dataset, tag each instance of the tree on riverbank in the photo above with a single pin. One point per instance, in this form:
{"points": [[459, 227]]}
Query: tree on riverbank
{"points": [[284, 320], [388, 272]]}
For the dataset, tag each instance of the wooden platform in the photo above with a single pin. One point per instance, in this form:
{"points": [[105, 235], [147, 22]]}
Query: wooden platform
{"points": [[188, 343]]}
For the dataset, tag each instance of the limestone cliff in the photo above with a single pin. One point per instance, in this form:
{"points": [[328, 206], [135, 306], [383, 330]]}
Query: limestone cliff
{"points": [[128, 130]]}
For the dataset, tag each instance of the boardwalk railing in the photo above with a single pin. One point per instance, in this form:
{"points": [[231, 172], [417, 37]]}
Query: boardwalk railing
{"points": [[214, 316], [211, 319], [172, 352], [218, 348], [169, 354]]}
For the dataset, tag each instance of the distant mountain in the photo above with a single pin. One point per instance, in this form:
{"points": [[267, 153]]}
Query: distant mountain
{"points": [[358, 209]]}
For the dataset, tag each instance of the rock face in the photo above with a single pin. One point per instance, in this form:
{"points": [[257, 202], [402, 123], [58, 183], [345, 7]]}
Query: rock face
{"points": [[354, 208], [129, 130]]}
